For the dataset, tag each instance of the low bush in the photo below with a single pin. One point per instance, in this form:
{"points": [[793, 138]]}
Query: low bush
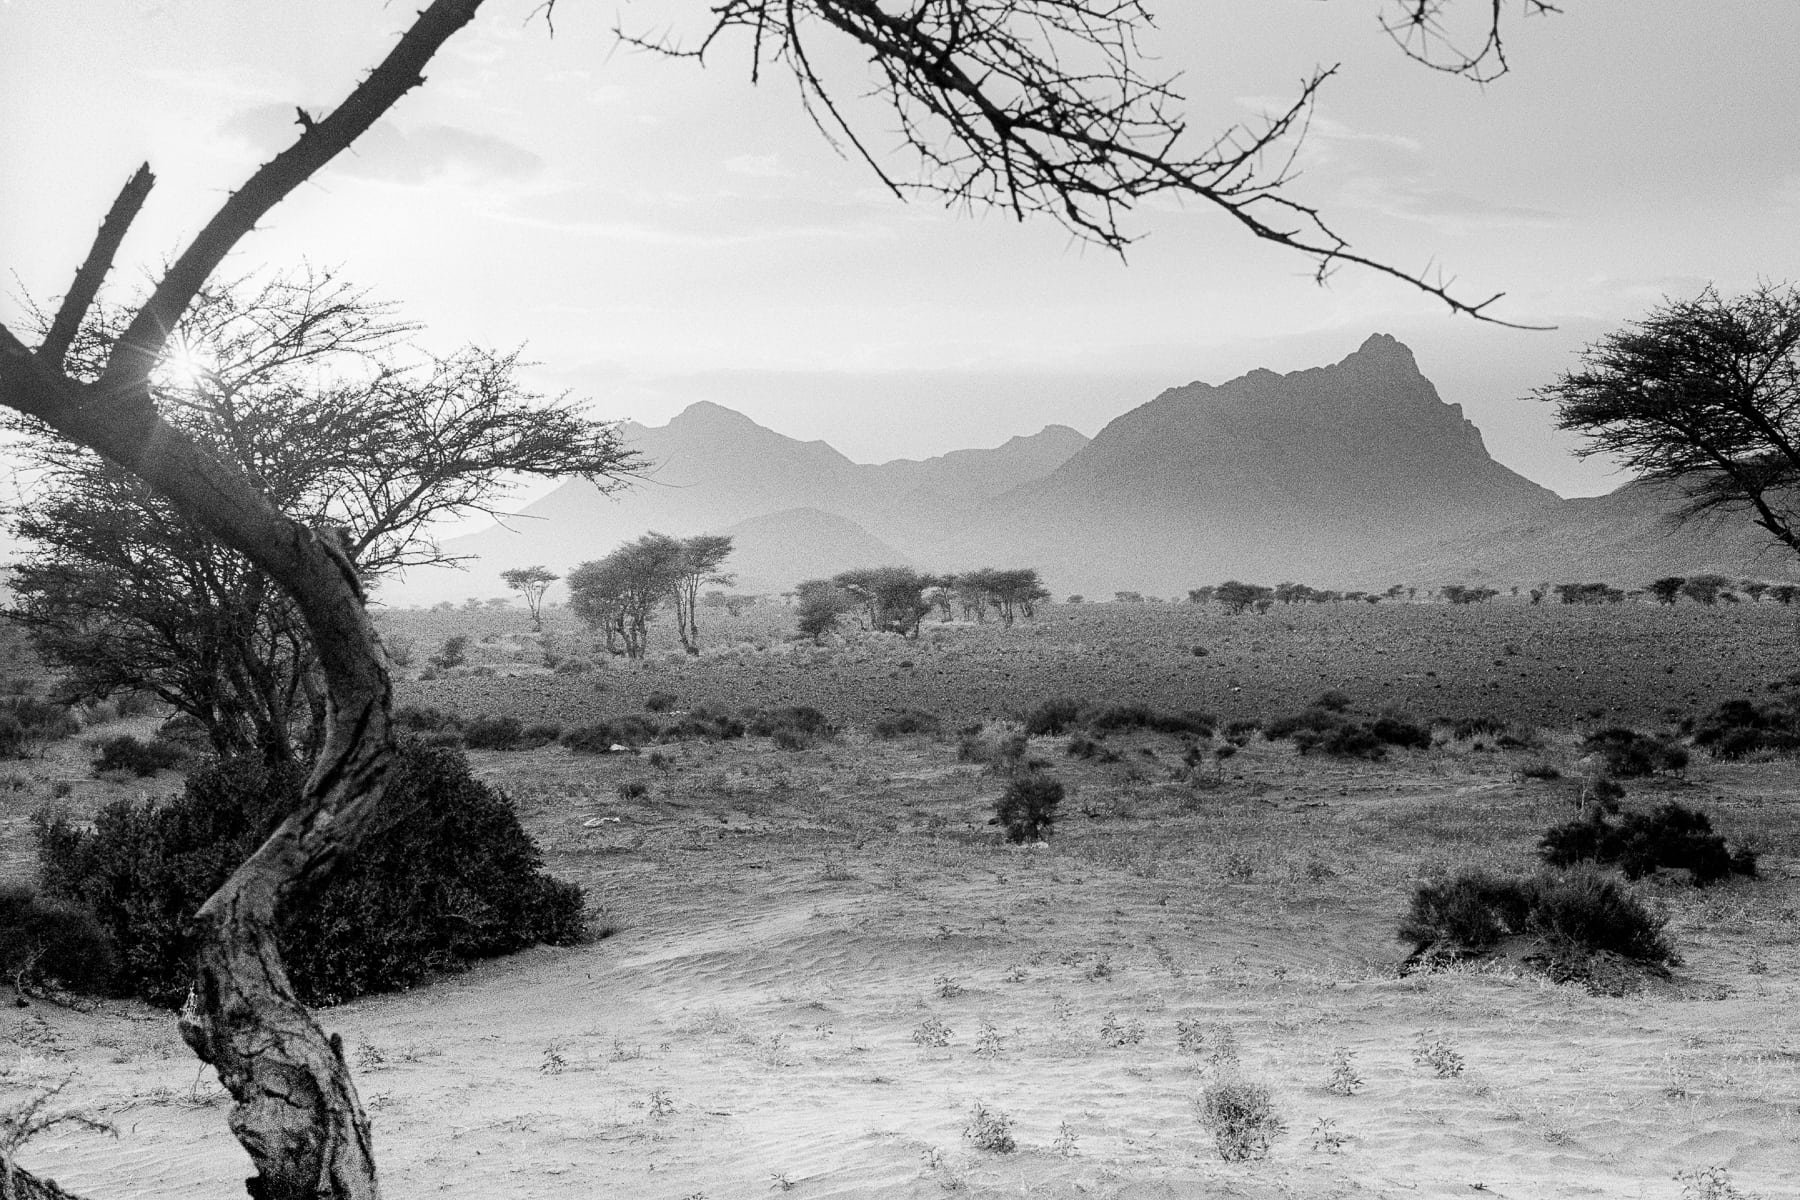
{"points": [[798, 720], [659, 702], [1397, 729], [590, 739], [124, 752], [493, 733], [25, 720], [1026, 810], [1053, 716], [1582, 909], [1629, 754], [1239, 733], [1241, 1117], [453, 653], [1332, 701], [906, 722], [1315, 720], [47, 940], [1739, 727], [1672, 835], [452, 877], [702, 724], [1463, 729]]}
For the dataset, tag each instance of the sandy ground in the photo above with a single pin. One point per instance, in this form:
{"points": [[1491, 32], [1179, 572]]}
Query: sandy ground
{"points": [[790, 925]]}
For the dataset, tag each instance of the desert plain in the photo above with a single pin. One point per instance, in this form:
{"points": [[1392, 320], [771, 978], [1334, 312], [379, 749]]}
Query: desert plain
{"points": [[811, 967]]}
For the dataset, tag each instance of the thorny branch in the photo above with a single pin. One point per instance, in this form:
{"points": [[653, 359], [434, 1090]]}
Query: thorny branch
{"points": [[1043, 107]]}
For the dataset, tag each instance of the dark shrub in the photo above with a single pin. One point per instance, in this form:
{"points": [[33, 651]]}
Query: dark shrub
{"points": [[1332, 701], [493, 733], [1053, 717], [13, 741], [44, 939], [453, 653], [1630, 754], [1397, 729], [1199, 724], [1027, 808], [126, 753], [1464, 728], [1739, 727], [703, 723], [1115, 717], [591, 739], [797, 722], [1589, 910], [659, 702], [1350, 740], [633, 789], [906, 722], [451, 877], [26, 719], [1582, 909], [1475, 909], [1672, 835], [1539, 770], [1318, 720]]}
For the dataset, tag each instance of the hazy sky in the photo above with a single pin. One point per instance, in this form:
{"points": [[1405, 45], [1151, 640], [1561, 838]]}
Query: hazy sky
{"points": [[660, 233]]}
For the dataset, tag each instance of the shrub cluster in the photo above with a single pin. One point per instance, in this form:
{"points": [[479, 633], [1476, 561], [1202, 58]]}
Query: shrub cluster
{"points": [[46, 940], [1739, 727], [26, 719], [1629, 754], [453, 877], [1026, 810], [1332, 731], [1064, 714], [1582, 909], [508, 733], [1671, 835], [793, 727], [126, 753], [906, 722]]}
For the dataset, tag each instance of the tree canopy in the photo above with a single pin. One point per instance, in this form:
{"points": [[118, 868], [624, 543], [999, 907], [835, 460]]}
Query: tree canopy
{"points": [[1704, 393]]}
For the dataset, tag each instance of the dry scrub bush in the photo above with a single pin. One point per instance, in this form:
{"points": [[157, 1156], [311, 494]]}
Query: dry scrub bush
{"points": [[1241, 1117]]}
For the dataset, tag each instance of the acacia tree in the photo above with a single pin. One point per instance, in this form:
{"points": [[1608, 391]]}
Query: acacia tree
{"points": [[1704, 393], [1037, 106], [300, 382], [531, 583], [701, 557]]}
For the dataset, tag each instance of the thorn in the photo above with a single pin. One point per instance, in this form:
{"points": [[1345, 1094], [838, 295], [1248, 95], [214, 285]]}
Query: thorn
{"points": [[304, 119]]}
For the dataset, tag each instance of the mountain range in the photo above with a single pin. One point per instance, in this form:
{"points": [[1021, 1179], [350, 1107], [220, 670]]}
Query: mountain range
{"points": [[1356, 474]]}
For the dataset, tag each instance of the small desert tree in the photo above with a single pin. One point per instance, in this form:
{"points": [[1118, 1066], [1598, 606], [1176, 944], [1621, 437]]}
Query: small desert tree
{"points": [[1704, 393], [697, 564], [1667, 588], [1705, 589], [1236, 596], [531, 583], [889, 598], [818, 606]]}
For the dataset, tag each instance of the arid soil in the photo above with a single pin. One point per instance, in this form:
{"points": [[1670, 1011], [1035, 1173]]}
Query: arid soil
{"points": [[790, 931], [1551, 664]]}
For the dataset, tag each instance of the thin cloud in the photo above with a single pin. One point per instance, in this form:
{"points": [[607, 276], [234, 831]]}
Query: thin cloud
{"points": [[391, 154]]}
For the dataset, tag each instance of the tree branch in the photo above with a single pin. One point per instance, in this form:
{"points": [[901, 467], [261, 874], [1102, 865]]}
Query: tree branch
{"points": [[135, 353], [86, 284]]}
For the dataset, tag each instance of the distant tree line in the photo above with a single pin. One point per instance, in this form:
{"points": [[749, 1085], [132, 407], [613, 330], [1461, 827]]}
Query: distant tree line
{"points": [[898, 599], [618, 595]]}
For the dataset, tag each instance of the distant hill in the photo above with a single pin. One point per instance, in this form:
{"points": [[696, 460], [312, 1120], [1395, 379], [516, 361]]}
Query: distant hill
{"points": [[1356, 474], [1627, 538], [1303, 476], [771, 554], [712, 469]]}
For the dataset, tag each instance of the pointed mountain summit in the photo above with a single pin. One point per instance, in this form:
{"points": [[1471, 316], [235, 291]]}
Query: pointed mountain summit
{"points": [[1306, 475]]}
